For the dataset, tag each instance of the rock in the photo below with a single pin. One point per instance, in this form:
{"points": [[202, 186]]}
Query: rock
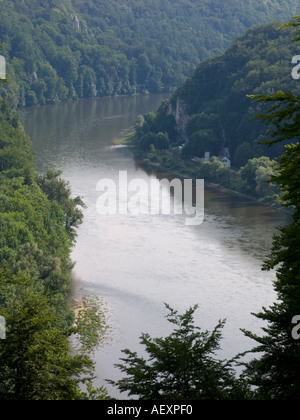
{"points": [[182, 117]]}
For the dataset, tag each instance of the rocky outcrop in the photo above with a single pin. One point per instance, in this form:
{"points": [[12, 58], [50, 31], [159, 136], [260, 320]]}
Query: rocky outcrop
{"points": [[76, 22], [2, 67], [181, 117]]}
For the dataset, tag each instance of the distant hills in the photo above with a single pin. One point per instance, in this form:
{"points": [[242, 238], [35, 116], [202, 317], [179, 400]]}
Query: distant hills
{"points": [[60, 49], [211, 110]]}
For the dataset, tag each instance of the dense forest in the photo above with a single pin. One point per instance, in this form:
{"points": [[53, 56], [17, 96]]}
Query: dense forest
{"points": [[211, 112], [60, 49], [38, 221]]}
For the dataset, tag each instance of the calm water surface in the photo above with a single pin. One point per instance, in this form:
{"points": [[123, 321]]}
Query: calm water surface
{"points": [[136, 263]]}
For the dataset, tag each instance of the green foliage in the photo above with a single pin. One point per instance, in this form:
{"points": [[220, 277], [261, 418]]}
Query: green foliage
{"points": [[57, 190], [92, 394], [211, 110], [181, 366], [35, 358], [276, 373], [90, 326], [243, 153], [38, 221], [72, 49], [257, 172]]}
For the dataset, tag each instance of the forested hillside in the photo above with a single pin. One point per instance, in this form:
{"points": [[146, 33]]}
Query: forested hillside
{"points": [[38, 220], [59, 49], [211, 112]]}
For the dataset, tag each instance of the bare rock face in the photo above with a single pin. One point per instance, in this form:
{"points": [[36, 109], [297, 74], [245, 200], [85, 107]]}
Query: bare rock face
{"points": [[76, 22], [181, 117], [2, 67]]}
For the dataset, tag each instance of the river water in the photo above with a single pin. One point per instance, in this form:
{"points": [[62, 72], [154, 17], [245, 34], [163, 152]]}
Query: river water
{"points": [[136, 263]]}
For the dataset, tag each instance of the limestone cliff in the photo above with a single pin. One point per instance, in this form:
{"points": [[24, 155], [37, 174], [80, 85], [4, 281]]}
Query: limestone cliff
{"points": [[181, 116]]}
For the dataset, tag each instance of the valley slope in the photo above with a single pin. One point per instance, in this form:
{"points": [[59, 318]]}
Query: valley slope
{"points": [[69, 49]]}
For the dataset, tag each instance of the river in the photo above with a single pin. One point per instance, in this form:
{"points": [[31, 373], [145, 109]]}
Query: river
{"points": [[138, 263]]}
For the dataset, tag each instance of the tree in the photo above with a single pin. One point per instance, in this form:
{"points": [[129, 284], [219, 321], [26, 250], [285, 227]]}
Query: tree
{"points": [[130, 48], [200, 142], [143, 70], [181, 366], [58, 190], [35, 359], [249, 171], [38, 229], [242, 155], [264, 186], [276, 374]]}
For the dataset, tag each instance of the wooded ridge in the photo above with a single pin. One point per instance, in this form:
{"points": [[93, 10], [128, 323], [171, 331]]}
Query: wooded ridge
{"points": [[63, 49]]}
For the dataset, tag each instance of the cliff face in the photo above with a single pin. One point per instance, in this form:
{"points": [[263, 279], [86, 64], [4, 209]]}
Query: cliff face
{"points": [[181, 116], [211, 109], [76, 22]]}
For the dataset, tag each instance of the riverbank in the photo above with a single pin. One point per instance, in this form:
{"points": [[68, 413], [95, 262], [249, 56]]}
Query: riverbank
{"points": [[189, 173], [168, 163]]}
